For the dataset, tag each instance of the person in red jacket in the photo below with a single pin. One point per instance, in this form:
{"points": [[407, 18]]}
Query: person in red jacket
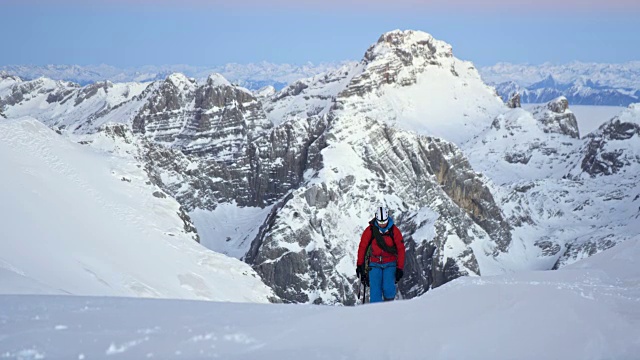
{"points": [[382, 247]]}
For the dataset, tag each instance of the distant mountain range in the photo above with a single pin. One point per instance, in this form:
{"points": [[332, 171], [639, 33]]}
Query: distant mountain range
{"points": [[581, 83], [251, 76]]}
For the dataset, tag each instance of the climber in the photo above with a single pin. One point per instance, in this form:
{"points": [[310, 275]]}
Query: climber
{"points": [[381, 262]]}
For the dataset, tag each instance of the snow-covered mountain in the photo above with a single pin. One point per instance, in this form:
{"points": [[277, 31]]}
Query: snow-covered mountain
{"points": [[87, 221], [286, 180], [540, 175], [588, 310], [625, 75], [581, 91], [581, 83]]}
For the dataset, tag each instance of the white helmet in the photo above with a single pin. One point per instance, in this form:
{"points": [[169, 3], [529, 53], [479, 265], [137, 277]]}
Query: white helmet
{"points": [[382, 215]]}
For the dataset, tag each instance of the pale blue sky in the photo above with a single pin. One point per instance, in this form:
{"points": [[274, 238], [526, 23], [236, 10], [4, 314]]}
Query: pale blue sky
{"points": [[124, 35]]}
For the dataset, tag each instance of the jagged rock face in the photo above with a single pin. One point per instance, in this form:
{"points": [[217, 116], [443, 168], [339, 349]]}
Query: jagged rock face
{"points": [[232, 152], [214, 119], [603, 153], [306, 251], [269, 168], [557, 118]]}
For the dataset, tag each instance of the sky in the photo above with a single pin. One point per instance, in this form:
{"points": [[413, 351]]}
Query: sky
{"points": [[211, 32]]}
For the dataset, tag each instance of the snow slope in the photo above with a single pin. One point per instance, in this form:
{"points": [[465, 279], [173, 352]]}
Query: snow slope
{"points": [[229, 229], [589, 310], [80, 221]]}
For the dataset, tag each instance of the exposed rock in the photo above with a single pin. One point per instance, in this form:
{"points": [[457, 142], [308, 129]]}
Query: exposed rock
{"points": [[188, 225], [601, 154], [559, 105], [576, 252], [549, 248], [557, 118], [514, 101], [405, 53], [159, 194], [90, 91], [517, 158]]}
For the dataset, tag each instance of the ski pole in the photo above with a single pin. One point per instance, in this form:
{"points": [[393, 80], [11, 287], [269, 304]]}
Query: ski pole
{"points": [[364, 294]]}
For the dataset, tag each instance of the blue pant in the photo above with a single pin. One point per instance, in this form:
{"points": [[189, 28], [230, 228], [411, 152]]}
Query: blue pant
{"points": [[382, 280]]}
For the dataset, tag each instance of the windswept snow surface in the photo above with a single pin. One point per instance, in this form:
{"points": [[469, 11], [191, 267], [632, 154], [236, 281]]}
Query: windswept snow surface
{"points": [[589, 310], [80, 221]]}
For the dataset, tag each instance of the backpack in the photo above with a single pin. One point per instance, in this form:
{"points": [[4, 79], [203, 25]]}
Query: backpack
{"points": [[375, 234]]}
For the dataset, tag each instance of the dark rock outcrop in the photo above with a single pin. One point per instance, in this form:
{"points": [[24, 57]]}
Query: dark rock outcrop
{"points": [[557, 118], [514, 101], [600, 159]]}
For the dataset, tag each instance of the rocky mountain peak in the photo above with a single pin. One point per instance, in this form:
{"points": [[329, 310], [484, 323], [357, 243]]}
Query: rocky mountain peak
{"points": [[547, 82], [558, 105], [398, 57], [181, 81], [216, 80], [408, 46], [514, 101], [6, 76], [412, 71], [555, 117], [615, 146], [265, 92]]}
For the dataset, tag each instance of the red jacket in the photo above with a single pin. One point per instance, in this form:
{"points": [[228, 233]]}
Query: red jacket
{"points": [[376, 251]]}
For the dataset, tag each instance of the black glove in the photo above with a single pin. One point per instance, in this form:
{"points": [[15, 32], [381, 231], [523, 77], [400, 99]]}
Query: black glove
{"points": [[399, 274], [362, 274]]}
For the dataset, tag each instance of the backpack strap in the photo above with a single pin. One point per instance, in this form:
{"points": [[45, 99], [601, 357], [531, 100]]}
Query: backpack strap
{"points": [[380, 241]]}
